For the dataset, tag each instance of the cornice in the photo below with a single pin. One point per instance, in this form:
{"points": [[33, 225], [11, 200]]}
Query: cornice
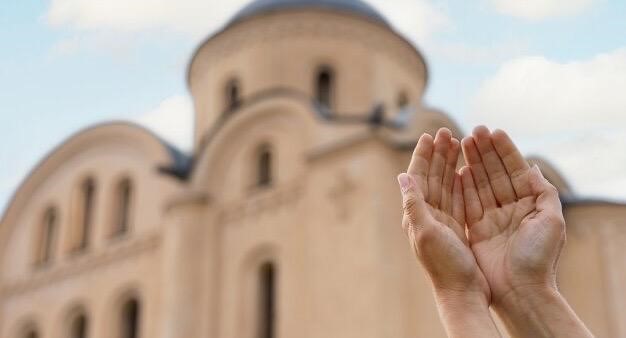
{"points": [[261, 201], [80, 265]]}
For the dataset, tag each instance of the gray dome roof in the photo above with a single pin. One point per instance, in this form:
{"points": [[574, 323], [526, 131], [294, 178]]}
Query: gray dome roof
{"points": [[357, 7]]}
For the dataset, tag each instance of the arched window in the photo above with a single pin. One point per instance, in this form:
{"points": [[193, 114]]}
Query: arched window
{"points": [[402, 101], [324, 86], [83, 217], [232, 94], [47, 235], [79, 326], [130, 319], [264, 166], [29, 332], [267, 301], [123, 207]]}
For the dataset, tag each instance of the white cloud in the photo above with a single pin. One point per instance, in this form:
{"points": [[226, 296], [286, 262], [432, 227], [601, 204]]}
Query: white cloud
{"points": [[415, 18], [534, 94], [595, 160], [172, 119], [195, 17], [572, 113], [463, 53], [541, 9]]}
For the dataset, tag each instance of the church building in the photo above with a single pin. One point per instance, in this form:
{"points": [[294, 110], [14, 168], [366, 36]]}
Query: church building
{"points": [[283, 221]]}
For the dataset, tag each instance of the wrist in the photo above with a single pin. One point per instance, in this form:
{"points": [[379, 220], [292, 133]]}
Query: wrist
{"points": [[466, 297], [465, 314], [539, 311], [527, 294], [456, 303]]}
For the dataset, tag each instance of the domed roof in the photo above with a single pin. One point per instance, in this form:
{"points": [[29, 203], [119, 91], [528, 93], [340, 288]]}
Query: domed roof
{"points": [[357, 7]]}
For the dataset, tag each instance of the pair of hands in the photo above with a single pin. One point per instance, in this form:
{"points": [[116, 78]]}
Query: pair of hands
{"points": [[492, 230]]}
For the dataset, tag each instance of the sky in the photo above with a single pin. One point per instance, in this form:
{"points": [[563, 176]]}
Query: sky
{"points": [[550, 72]]}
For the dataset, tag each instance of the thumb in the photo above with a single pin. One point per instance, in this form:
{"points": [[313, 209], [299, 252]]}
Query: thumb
{"points": [[546, 194], [413, 203]]}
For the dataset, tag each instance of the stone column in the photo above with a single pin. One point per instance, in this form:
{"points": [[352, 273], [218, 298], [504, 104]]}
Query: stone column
{"points": [[187, 257]]}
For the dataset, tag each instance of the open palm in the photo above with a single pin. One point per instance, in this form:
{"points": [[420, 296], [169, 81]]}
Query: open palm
{"points": [[434, 217], [514, 217]]}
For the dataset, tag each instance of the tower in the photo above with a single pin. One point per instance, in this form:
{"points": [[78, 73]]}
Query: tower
{"points": [[305, 112]]}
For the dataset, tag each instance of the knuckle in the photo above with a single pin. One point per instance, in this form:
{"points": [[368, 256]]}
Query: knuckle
{"points": [[408, 205]]}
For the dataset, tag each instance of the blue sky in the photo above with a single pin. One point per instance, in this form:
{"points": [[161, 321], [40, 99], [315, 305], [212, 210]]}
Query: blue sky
{"points": [[549, 71]]}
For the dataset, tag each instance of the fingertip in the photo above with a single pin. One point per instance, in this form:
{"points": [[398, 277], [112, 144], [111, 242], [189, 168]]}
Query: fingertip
{"points": [[443, 135], [467, 141], [499, 136], [481, 131], [499, 133], [445, 131], [425, 138], [405, 182]]}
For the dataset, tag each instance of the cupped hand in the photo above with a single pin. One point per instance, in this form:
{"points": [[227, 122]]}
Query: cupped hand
{"points": [[515, 222], [434, 216]]}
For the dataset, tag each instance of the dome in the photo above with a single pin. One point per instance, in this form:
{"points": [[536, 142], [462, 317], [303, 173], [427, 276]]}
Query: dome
{"points": [[357, 7]]}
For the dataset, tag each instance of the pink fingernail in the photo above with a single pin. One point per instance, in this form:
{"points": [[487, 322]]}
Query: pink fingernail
{"points": [[404, 181]]}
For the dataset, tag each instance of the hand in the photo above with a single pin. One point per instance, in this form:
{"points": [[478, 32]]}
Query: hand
{"points": [[516, 226], [434, 218]]}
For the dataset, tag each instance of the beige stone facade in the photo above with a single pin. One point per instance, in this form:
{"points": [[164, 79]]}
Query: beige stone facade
{"points": [[284, 222]]}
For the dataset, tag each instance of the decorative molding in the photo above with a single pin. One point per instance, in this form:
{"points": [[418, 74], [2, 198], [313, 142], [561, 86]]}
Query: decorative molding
{"points": [[74, 266], [187, 198], [261, 202], [330, 148]]}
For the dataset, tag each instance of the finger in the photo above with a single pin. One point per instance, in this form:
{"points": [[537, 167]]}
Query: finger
{"points": [[458, 207], [413, 204], [437, 166], [420, 162], [498, 176], [514, 163], [547, 195], [473, 207], [452, 157], [481, 180]]}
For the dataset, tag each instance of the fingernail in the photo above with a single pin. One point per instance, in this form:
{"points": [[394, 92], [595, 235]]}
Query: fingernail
{"points": [[404, 181]]}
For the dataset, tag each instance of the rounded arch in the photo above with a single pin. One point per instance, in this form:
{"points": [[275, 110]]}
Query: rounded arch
{"points": [[82, 205], [402, 100], [27, 328], [290, 116], [131, 134], [120, 297], [122, 200], [232, 93], [75, 320], [46, 235], [325, 85], [262, 171], [259, 279]]}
